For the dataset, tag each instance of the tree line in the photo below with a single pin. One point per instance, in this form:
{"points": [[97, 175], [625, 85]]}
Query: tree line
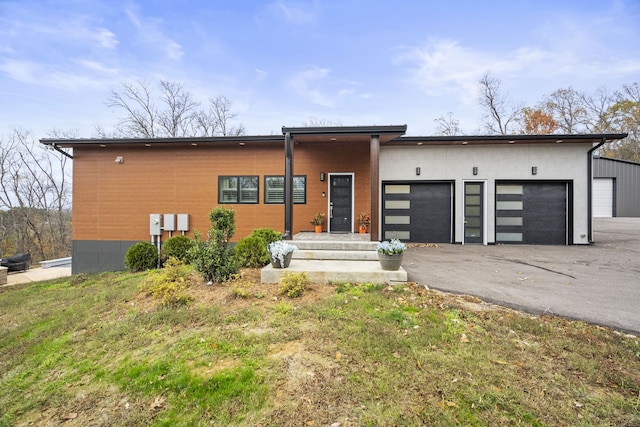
{"points": [[35, 199], [564, 111]]}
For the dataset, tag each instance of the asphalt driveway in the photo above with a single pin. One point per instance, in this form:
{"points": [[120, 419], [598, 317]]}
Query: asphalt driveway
{"points": [[597, 283]]}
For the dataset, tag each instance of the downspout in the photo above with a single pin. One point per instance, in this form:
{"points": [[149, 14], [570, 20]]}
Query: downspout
{"points": [[288, 187], [590, 189], [60, 150]]}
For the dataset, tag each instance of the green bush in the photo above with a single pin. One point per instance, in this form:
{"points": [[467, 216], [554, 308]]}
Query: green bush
{"points": [[141, 256], [214, 258], [223, 224], [252, 252], [269, 235], [215, 262], [177, 247], [293, 284], [169, 284]]}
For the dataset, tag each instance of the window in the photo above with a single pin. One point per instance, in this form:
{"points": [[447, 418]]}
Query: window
{"points": [[274, 189], [238, 189]]}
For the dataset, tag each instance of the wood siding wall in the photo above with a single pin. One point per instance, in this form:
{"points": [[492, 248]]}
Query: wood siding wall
{"points": [[113, 201]]}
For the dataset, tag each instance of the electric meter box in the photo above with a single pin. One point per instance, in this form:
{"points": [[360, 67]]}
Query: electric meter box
{"points": [[183, 222], [169, 222], [155, 227]]}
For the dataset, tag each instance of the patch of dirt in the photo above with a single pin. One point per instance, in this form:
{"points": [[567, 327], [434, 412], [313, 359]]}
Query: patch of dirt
{"points": [[256, 294]]}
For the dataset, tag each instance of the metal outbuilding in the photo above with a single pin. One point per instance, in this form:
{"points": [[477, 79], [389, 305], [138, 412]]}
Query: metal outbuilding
{"points": [[616, 188]]}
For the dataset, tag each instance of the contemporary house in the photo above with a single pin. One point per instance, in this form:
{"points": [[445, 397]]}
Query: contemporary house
{"points": [[616, 188], [513, 189]]}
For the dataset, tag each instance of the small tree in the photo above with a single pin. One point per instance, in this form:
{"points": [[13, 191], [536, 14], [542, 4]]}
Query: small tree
{"points": [[536, 121], [214, 258]]}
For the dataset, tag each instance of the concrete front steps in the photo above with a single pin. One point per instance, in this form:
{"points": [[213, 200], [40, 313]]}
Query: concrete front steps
{"points": [[335, 261]]}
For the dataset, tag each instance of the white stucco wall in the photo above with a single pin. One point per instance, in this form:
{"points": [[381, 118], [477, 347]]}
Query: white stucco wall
{"points": [[567, 162]]}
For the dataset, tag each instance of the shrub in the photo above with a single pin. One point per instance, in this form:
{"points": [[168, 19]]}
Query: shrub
{"points": [[269, 235], [169, 284], [141, 256], [293, 284], [177, 247], [215, 261], [213, 258], [223, 224], [252, 252]]}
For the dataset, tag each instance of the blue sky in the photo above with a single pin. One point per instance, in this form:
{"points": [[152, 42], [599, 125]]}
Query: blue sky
{"points": [[357, 62]]}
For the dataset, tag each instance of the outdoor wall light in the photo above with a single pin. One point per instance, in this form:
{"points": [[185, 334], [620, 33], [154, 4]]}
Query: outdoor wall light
{"points": [[119, 160], [322, 176], [417, 171], [534, 170], [475, 170]]}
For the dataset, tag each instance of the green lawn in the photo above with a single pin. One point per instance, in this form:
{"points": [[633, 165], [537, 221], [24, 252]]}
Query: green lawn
{"points": [[94, 350]]}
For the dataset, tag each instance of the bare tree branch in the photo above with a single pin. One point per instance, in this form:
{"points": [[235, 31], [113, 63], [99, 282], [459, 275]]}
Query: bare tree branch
{"points": [[175, 113], [446, 125], [499, 114]]}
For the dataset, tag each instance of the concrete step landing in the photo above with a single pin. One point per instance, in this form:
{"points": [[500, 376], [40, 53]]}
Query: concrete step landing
{"points": [[334, 261]]}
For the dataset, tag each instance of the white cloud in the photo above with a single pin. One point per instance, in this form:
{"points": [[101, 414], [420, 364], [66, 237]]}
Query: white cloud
{"points": [[152, 36], [97, 67], [296, 14], [36, 73], [445, 67], [317, 85], [260, 75], [305, 84], [106, 38]]}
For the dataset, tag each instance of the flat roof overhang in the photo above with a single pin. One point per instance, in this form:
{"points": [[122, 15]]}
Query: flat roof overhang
{"points": [[344, 133], [506, 139], [187, 141]]}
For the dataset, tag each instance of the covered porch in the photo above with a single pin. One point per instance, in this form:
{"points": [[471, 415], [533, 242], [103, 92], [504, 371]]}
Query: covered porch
{"points": [[348, 185]]}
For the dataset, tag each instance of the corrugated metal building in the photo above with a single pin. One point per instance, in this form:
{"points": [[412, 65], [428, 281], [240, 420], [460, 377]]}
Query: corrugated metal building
{"points": [[616, 188]]}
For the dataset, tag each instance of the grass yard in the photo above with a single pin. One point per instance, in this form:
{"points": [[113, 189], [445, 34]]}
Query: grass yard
{"points": [[94, 350]]}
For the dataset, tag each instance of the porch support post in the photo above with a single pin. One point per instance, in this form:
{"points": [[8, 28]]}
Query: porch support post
{"points": [[288, 187], [374, 168]]}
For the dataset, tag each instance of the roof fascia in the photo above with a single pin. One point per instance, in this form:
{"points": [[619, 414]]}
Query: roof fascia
{"points": [[631, 162], [345, 130], [157, 141], [492, 139]]}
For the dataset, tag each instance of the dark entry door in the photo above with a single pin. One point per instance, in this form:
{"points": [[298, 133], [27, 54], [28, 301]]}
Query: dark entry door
{"points": [[340, 202]]}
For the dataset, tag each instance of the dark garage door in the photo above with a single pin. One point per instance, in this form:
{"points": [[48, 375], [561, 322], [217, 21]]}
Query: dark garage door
{"points": [[417, 212], [533, 213]]}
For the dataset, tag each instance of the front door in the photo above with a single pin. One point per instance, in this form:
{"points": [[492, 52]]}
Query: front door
{"points": [[340, 203], [473, 212]]}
